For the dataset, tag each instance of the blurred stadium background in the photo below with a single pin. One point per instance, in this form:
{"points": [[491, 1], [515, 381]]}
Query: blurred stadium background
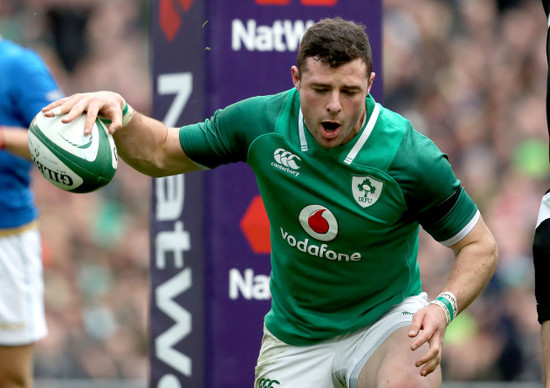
{"points": [[469, 72]]}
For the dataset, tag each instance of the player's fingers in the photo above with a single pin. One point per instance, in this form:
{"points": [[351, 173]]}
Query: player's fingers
{"points": [[91, 115], [116, 121], [55, 108], [430, 365], [424, 336], [416, 324], [76, 106], [433, 353]]}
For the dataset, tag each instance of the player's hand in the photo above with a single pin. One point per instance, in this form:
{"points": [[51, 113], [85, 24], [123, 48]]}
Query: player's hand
{"points": [[108, 105], [428, 326]]}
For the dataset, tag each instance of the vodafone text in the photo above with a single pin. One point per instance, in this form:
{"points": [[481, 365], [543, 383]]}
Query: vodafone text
{"points": [[322, 251], [283, 35]]}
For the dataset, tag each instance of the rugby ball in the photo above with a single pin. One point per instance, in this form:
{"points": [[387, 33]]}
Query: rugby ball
{"points": [[69, 159]]}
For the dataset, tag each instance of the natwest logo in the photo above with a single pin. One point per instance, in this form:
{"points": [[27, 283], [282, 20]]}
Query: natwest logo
{"points": [[283, 35], [169, 16], [307, 3]]}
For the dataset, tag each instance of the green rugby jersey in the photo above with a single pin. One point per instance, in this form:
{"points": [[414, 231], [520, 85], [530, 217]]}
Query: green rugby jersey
{"points": [[344, 221]]}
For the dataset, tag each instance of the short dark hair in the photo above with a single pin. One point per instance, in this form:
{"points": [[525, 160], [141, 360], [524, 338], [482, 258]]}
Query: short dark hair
{"points": [[335, 41]]}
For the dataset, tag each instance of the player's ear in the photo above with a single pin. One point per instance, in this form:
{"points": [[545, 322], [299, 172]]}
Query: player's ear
{"points": [[295, 77], [371, 81]]}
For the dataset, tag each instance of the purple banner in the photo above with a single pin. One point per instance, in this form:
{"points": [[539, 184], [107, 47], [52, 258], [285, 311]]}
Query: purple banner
{"points": [[210, 249], [177, 322]]}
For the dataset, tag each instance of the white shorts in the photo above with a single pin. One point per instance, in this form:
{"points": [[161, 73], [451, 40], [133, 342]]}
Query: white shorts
{"points": [[335, 363], [22, 316]]}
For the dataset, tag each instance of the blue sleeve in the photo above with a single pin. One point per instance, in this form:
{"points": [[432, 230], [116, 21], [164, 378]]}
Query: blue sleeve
{"points": [[28, 69]]}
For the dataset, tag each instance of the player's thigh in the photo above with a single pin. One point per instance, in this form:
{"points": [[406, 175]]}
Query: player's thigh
{"points": [[393, 365], [16, 366], [284, 366]]}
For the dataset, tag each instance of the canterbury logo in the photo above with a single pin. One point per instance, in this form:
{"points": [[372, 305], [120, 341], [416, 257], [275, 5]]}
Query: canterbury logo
{"points": [[267, 383], [286, 161], [286, 158]]}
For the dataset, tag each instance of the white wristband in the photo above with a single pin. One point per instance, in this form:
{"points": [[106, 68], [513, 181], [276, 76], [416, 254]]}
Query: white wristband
{"points": [[448, 302], [444, 308], [127, 113]]}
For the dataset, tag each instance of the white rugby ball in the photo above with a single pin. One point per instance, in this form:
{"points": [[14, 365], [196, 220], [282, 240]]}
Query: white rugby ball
{"points": [[69, 159]]}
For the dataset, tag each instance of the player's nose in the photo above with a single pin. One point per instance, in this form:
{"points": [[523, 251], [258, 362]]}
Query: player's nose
{"points": [[333, 104]]}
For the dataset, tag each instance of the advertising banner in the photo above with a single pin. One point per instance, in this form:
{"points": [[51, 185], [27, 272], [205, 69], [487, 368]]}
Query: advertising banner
{"points": [[209, 232]]}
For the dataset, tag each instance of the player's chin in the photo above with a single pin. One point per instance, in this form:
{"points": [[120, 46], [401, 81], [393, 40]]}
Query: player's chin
{"points": [[329, 143]]}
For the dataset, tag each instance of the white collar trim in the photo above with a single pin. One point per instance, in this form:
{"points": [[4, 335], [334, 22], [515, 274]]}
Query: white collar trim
{"points": [[364, 136], [360, 142]]}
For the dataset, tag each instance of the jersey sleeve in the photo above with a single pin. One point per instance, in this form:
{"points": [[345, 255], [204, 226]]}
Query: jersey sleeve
{"points": [[28, 69], [433, 193], [227, 135]]}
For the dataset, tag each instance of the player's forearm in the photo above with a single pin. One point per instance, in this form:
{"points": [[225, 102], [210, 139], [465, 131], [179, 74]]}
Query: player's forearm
{"points": [[151, 148], [137, 143], [546, 352], [474, 265], [15, 140]]}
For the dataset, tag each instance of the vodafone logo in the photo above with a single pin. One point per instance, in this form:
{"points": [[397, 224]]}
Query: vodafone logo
{"points": [[319, 222]]}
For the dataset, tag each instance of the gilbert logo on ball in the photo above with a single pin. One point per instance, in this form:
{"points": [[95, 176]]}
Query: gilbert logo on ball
{"points": [[69, 159]]}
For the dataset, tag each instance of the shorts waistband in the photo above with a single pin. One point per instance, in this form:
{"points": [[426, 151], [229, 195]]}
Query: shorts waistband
{"points": [[19, 229]]}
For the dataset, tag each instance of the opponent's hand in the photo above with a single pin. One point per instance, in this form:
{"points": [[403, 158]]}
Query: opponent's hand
{"points": [[428, 326], [108, 105]]}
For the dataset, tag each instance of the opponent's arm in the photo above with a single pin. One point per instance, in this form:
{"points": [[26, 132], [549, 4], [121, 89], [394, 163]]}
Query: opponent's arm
{"points": [[545, 333], [541, 244], [474, 265], [15, 140], [541, 263], [144, 143]]}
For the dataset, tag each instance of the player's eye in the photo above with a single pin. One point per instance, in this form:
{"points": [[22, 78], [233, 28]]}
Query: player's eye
{"points": [[321, 90], [350, 92]]}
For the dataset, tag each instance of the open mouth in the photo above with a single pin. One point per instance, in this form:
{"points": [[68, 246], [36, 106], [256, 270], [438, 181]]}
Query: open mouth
{"points": [[330, 126]]}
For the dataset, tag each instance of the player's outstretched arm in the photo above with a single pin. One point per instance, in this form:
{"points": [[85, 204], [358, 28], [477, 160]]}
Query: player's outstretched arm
{"points": [[475, 263], [15, 140], [144, 143]]}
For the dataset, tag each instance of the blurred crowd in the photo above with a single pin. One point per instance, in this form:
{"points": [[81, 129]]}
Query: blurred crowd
{"points": [[96, 246], [471, 74]]}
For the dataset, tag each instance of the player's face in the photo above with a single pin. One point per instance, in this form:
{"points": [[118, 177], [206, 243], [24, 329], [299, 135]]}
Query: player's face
{"points": [[333, 99]]}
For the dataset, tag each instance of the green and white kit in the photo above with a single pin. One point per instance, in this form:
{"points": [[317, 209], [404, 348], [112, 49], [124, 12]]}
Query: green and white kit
{"points": [[344, 221]]}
